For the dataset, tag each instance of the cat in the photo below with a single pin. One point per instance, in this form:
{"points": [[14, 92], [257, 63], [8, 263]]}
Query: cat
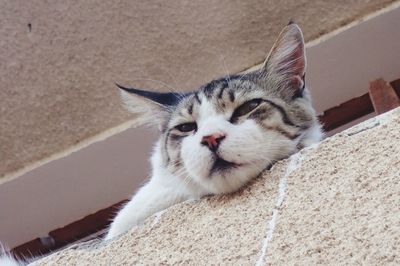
{"points": [[216, 139]]}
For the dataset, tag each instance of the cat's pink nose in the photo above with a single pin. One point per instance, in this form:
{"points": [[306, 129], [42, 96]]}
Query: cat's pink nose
{"points": [[212, 141]]}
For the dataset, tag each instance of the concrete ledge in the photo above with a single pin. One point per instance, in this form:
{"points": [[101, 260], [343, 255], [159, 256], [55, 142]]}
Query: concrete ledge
{"points": [[334, 203]]}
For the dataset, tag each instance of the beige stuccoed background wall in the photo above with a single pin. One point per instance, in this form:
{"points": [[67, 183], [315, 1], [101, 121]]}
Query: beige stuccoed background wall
{"points": [[59, 59]]}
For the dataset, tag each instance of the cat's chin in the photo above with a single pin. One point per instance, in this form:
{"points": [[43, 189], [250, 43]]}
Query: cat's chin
{"points": [[230, 178], [221, 166]]}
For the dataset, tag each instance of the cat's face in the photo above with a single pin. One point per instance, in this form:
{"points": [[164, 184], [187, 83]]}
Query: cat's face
{"points": [[231, 129], [227, 133]]}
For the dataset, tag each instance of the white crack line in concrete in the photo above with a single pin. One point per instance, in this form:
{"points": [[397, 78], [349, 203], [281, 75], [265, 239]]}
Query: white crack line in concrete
{"points": [[294, 163]]}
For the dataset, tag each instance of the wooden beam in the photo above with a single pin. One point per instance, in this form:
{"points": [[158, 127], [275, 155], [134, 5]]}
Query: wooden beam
{"points": [[396, 86], [346, 112], [350, 110], [383, 96]]}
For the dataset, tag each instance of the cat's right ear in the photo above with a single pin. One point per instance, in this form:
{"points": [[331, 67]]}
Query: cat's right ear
{"points": [[153, 107]]}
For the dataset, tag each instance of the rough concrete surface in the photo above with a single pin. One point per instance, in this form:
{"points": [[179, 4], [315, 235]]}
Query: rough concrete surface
{"points": [[334, 203], [59, 59]]}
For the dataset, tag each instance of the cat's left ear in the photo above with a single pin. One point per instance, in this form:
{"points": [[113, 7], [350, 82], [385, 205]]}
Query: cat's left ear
{"points": [[152, 107], [285, 65]]}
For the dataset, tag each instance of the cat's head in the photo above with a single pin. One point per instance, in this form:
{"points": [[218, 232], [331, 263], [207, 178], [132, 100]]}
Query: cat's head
{"points": [[231, 129]]}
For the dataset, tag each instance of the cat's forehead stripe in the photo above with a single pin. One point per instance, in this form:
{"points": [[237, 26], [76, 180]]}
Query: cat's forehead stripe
{"points": [[196, 96], [218, 86], [216, 93], [231, 95], [221, 91], [190, 108], [211, 89]]}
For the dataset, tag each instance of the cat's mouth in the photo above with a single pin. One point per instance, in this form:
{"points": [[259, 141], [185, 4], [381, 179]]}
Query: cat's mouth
{"points": [[222, 165]]}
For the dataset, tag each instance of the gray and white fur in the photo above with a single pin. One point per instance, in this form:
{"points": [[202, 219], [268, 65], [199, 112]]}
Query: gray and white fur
{"points": [[216, 139]]}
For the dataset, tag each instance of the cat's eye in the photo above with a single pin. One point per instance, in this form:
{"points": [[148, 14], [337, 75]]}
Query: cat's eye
{"points": [[187, 127], [246, 108]]}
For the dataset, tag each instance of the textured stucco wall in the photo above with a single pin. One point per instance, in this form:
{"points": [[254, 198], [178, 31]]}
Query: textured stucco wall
{"points": [[335, 203], [59, 59]]}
